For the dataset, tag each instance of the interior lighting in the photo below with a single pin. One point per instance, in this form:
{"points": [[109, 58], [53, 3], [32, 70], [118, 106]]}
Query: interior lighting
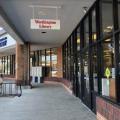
{"points": [[43, 32], [78, 40], [1, 29], [94, 36], [85, 8], [110, 27], [108, 40]]}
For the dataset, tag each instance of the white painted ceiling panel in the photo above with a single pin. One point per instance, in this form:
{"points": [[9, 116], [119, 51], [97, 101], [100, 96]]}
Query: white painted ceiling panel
{"points": [[70, 13]]}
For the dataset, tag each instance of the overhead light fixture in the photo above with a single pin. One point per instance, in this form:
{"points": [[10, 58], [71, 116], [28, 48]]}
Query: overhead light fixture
{"points": [[94, 36], [107, 30], [44, 6], [110, 27], [1, 29], [108, 40], [78, 40], [85, 8], [43, 32]]}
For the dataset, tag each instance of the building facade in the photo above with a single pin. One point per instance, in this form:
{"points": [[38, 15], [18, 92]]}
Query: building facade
{"points": [[50, 59], [91, 58]]}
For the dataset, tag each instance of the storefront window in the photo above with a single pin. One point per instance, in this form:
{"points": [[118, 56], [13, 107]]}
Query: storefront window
{"points": [[94, 35], [8, 65], [85, 81], [54, 61], [43, 57], [86, 72], [107, 17], [3, 65], [119, 11], [64, 63], [36, 55], [68, 57], [108, 79], [48, 64], [0, 65], [40, 58], [86, 32], [14, 63], [95, 68], [78, 39], [72, 60], [66, 52], [48, 57], [31, 58]]}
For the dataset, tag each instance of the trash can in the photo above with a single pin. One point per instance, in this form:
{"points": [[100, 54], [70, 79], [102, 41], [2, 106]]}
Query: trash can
{"points": [[41, 79]]}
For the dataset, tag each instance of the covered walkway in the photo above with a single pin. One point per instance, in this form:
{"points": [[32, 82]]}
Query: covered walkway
{"points": [[47, 102]]}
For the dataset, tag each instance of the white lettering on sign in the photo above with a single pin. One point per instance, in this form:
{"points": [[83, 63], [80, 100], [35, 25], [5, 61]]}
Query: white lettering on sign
{"points": [[7, 41], [3, 42], [45, 24]]}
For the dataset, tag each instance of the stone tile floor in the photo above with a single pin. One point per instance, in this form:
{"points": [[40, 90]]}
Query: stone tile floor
{"points": [[46, 102]]}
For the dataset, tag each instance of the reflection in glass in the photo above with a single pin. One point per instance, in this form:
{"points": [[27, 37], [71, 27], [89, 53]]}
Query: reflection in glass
{"points": [[0, 65], [8, 65], [108, 79], [94, 37], [86, 32], [43, 57], [86, 71], [107, 20], [78, 39], [48, 57], [119, 11], [95, 68]]}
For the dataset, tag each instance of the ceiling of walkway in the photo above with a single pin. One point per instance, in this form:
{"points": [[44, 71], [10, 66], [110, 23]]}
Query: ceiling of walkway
{"points": [[19, 14]]}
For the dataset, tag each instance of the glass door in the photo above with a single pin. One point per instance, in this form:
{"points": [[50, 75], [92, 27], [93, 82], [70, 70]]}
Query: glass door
{"points": [[86, 89]]}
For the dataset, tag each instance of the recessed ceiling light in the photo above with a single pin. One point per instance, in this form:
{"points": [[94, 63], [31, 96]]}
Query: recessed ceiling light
{"points": [[110, 27], [43, 32], [1, 28], [85, 8], [41, 13], [78, 40]]}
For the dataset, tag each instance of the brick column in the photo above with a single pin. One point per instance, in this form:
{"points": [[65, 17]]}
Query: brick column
{"points": [[59, 63], [26, 62], [22, 62]]}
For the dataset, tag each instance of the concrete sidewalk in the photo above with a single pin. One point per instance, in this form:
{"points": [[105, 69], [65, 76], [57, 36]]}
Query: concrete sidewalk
{"points": [[47, 102]]}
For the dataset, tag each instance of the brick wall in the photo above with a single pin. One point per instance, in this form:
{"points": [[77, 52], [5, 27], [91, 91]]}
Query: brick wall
{"points": [[59, 63], [26, 62], [19, 62], [107, 110], [22, 62]]}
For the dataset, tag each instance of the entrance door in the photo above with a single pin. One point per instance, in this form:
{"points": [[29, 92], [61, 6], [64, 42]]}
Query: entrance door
{"points": [[94, 78], [79, 77], [86, 93]]}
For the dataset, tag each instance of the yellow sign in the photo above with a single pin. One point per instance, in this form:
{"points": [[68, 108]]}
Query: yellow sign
{"points": [[107, 72]]}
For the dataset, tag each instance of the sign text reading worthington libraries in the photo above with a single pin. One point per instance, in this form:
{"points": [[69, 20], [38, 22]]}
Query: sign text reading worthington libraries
{"points": [[45, 24]]}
